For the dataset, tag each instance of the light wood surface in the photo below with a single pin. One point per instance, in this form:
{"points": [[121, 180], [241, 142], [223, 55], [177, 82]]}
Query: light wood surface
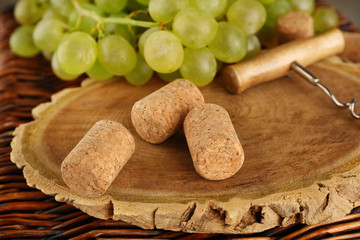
{"points": [[301, 156]]}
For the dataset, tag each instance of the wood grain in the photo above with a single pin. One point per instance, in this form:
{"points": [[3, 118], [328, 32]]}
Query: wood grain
{"points": [[300, 156]]}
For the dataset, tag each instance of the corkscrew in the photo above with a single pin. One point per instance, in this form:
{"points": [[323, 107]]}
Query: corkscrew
{"points": [[307, 75], [279, 61]]}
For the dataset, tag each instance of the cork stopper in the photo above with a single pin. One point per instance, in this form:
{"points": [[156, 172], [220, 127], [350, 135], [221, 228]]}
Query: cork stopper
{"points": [[214, 145], [91, 167], [294, 25], [160, 114], [352, 44]]}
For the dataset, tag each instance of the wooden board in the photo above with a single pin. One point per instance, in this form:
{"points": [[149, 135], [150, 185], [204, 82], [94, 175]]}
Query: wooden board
{"points": [[301, 156]]}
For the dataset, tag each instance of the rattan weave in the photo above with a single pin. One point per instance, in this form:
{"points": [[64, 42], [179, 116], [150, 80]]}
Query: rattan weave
{"points": [[26, 213]]}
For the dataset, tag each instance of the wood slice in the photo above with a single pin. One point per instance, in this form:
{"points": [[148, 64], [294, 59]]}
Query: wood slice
{"points": [[301, 156]]}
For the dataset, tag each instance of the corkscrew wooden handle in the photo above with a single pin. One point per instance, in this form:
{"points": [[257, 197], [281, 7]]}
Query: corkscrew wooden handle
{"points": [[276, 62]]}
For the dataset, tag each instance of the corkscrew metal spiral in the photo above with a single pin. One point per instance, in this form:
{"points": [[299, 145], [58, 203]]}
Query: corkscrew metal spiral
{"points": [[304, 73]]}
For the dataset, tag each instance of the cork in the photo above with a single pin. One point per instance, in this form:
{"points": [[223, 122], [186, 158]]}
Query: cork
{"points": [[160, 114], [91, 167], [214, 145], [352, 44], [294, 25]]}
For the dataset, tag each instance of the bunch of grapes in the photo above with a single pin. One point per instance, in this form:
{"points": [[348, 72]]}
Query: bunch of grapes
{"points": [[135, 38]]}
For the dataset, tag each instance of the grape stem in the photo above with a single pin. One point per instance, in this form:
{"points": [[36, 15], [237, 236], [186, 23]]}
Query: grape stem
{"points": [[117, 20]]}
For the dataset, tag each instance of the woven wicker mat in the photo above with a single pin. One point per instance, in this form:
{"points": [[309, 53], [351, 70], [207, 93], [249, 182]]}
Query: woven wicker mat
{"points": [[27, 213]]}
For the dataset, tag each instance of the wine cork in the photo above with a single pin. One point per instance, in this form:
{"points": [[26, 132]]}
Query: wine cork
{"points": [[160, 114], [352, 46], [214, 145], [91, 167], [294, 25]]}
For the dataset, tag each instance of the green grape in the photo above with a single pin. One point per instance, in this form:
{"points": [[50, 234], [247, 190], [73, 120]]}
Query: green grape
{"points": [[267, 2], [306, 6], [229, 44], [51, 13], [199, 66], [169, 77], [120, 29], [59, 72], [141, 74], [86, 24], [253, 46], [111, 6], [165, 10], [194, 27], [325, 19], [249, 15], [144, 36], [163, 51], [216, 8], [98, 72], [63, 7], [275, 11], [77, 53], [48, 34], [29, 11], [21, 42], [117, 55], [143, 2]]}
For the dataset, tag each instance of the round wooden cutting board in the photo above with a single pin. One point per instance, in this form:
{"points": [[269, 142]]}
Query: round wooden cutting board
{"points": [[301, 156]]}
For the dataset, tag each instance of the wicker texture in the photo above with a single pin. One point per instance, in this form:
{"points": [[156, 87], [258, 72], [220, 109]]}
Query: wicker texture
{"points": [[27, 213]]}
